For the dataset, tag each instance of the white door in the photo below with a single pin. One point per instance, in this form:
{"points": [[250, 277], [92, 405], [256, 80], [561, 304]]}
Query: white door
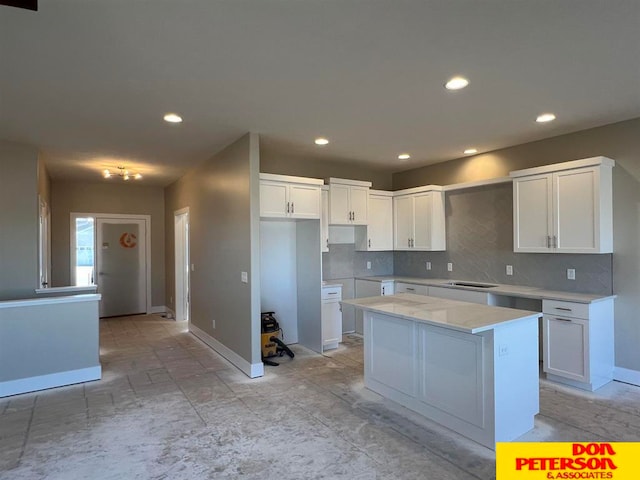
{"points": [[305, 201], [575, 209], [422, 218], [359, 200], [532, 219], [121, 266], [403, 219], [380, 222], [566, 347], [182, 265]]}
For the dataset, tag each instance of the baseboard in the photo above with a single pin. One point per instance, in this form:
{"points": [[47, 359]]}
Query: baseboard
{"points": [[626, 375], [43, 382], [252, 370], [158, 309]]}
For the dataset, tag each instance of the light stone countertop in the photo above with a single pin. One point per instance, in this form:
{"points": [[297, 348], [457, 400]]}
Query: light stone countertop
{"points": [[461, 316], [33, 302], [331, 285], [499, 289]]}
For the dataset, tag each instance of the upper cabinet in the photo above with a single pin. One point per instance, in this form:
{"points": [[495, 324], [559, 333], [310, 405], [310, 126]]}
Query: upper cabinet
{"points": [[324, 220], [378, 234], [564, 208], [419, 221], [348, 202], [283, 196]]}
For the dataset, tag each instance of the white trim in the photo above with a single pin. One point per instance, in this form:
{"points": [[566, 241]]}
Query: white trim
{"points": [[290, 179], [381, 193], [478, 183], [32, 302], [158, 309], [116, 216], [626, 375], [556, 167], [181, 295], [344, 181], [69, 289], [251, 370], [51, 380], [424, 188]]}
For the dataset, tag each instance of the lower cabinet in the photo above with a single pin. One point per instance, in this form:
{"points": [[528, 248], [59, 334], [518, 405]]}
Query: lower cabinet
{"points": [[402, 287], [577, 343], [371, 288], [472, 296], [331, 317]]}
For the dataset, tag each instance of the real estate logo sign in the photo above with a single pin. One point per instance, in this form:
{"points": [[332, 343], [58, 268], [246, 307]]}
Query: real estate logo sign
{"points": [[541, 461]]}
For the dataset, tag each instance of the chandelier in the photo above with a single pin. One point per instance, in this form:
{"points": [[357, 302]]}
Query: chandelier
{"points": [[122, 172]]}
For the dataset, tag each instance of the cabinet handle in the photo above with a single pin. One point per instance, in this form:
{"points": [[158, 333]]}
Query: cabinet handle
{"points": [[555, 242], [292, 210], [287, 207], [353, 216], [562, 319], [564, 309], [327, 243], [382, 290], [332, 293], [548, 241], [369, 243], [411, 289], [408, 242]]}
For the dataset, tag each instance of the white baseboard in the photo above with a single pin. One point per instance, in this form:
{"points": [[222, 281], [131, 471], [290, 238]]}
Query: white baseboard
{"points": [[626, 375], [252, 370], [158, 309], [43, 382]]}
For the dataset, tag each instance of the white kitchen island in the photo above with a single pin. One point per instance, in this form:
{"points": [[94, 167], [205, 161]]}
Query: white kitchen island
{"points": [[472, 368]]}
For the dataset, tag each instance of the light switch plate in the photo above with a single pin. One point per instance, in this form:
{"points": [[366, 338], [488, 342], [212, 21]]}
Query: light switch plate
{"points": [[450, 267], [509, 269], [428, 265], [368, 265], [244, 277], [571, 273]]}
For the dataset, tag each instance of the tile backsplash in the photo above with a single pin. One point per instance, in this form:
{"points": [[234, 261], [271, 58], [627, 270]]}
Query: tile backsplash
{"points": [[343, 261]]}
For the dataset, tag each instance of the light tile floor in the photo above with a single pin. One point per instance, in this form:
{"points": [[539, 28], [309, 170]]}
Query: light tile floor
{"points": [[168, 407]]}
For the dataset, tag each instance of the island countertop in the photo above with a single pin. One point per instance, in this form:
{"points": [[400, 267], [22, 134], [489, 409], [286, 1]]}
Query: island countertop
{"points": [[462, 316]]}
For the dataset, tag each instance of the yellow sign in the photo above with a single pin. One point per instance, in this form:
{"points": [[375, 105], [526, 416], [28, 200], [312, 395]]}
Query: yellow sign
{"points": [[577, 461]]}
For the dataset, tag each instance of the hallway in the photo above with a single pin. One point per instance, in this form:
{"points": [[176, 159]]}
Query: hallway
{"points": [[170, 407]]}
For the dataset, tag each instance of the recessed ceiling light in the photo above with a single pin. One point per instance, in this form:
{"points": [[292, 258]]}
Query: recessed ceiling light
{"points": [[172, 118], [404, 156], [321, 141], [456, 83], [470, 151], [545, 117]]}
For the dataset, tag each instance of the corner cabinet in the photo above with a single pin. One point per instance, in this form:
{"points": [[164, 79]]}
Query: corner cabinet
{"points": [[419, 220], [377, 236], [283, 196], [564, 208], [348, 202]]}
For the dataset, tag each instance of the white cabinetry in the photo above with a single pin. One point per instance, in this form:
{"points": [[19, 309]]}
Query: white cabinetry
{"points": [[578, 342], [403, 287], [331, 317], [472, 296], [419, 221], [324, 220], [371, 288], [378, 234], [283, 196], [348, 202], [564, 208]]}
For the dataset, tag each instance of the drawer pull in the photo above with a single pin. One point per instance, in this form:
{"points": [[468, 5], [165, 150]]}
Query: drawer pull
{"points": [[563, 319], [332, 293], [564, 309], [411, 289]]}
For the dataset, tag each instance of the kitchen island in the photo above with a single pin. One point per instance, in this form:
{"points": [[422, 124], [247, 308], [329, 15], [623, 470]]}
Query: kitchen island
{"points": [[472, 368]]}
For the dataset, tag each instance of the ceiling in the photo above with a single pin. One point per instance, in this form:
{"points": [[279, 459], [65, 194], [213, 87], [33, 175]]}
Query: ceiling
{"points": [[88, 81]]}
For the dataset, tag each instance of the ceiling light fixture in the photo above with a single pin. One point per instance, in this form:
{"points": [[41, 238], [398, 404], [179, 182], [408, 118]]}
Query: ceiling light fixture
{"points": [[321, 141], [173, 118], [545, 117], [404, 156], [121, 172], [456, 83], [470, 151]]}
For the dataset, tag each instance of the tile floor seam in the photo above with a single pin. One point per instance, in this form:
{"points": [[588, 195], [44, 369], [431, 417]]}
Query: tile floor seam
{"points": [[26, 437]]}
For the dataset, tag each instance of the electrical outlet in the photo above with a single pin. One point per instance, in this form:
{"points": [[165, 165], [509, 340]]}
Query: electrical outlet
{"points": [[244, 277], [428, 265], [571, 273], [509, 269], [213, 323], [193, 267], [449, 267], [503, 350], [368, 265]]}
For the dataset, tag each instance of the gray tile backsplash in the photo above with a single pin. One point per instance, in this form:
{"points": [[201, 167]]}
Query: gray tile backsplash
{"points": [[343, 261], [480, 246]]}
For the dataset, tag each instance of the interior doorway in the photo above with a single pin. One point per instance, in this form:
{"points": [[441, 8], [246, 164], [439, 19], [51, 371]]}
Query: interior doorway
{"points": [[181, 218]]}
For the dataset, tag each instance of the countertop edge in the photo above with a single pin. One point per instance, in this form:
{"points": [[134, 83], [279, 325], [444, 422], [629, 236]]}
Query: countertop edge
{"points": [[34, 302]]}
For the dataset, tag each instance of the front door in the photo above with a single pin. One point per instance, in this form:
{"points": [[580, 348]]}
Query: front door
{"points": [[121, 261]]}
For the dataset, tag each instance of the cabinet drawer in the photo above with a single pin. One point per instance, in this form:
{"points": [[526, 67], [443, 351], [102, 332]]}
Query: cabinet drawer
{"points": [[332, 293], [402, 287], [565, 309]]}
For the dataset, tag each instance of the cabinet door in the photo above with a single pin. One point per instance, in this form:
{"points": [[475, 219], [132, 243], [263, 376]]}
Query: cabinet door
{"points": [[324, 222], [532, 219], [380, 227], [339, 212], [304, 201], [460, 295], [402, 287], [331, 325], [565, 347], [575, 208], [273, 199], [403, 221], [359, 202], [422, 216]]}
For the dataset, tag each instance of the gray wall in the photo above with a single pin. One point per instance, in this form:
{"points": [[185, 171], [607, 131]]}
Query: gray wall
{"points": [[343, 261], [18, 220], [224, 218], [44, 182], [620, 141], [106, 197]]}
